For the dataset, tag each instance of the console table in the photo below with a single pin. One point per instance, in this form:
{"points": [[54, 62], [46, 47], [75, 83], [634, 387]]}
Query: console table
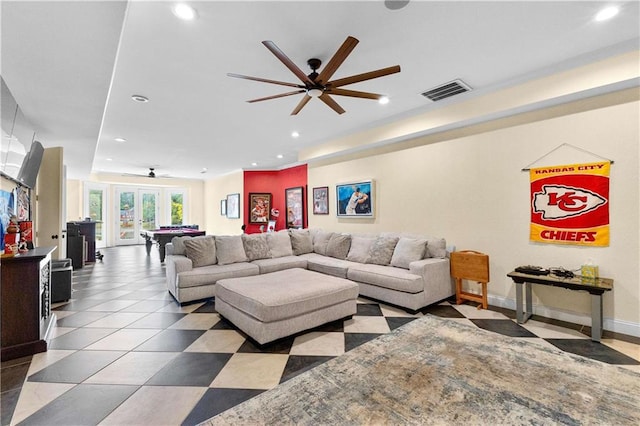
{"points": [[594, 286]]}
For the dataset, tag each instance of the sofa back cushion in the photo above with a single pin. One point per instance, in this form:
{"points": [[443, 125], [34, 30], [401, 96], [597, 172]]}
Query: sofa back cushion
{"points": [[301, 241], [338, 245], [408, 250], [201, 250], [360, 248], [255, 246], [320, 242], [436, 247], [229, 249], [382, 250], [279, 244], [178, 245]]}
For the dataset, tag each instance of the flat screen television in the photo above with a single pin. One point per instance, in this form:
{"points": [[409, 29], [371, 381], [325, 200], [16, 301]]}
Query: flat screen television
{"points": [[31, 165]]}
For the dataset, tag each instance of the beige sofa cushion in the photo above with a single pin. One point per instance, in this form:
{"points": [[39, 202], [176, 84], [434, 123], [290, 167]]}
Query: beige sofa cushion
{"points": [[386, 277], [255, 246], [209, 275], [229, 249], [320, 242], [382, 250], [201, 250], [408, 250], [301, 241], [280, 263], [338, 245], [360, 248], [279, 244], [178, 245]]}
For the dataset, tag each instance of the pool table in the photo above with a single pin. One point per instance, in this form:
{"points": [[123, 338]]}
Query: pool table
{"points": [[164, 236]]}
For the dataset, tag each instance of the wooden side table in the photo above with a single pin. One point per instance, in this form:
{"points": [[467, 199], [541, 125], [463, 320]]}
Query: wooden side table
{"points": [[473, 266]]}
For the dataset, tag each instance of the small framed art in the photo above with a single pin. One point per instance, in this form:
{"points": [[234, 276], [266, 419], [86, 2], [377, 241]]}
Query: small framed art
{"points": [[355, 199], [223, 207], [321, 200], [233, 206], [259, 207], [295, 207]]}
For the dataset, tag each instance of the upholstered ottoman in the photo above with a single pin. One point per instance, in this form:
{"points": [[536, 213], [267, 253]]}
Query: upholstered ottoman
{"points": [[279, 304]]}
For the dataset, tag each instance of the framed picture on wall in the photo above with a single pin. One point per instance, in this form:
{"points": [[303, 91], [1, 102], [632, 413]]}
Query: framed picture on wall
{"points": [[321, 200], [295, 207], [233, 206], [223, 207], [259, 207], [355, 199]]}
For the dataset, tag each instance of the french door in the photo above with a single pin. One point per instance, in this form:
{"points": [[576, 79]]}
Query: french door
{"points": [[138, 210], [95, 207]]}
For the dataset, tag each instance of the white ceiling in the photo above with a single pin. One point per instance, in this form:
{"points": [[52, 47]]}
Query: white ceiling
{"points": [[73, 66]]}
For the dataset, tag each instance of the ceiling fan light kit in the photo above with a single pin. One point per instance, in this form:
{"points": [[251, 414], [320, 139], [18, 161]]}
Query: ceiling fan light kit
{"points": [[320, 86]]}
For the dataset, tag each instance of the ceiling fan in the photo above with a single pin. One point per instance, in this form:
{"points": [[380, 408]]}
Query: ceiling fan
{"points": [[152, 174], [319, 85]]}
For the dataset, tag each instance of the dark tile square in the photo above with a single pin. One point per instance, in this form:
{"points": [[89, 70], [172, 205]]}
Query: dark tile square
{"points": [[79, 305], [170, 341], [77, 367], [81, 405], [298, 364], [157, 320], [80, 338], [443, 311], [503, 326], [80, 319], [12, 377], [353, 340], [280, 346], [209, 307], [8, 404], [215, 401], [141, 295], [190, 369], [333, 326], [395, 322], [369, 310], [594, 350], [223, 324]]}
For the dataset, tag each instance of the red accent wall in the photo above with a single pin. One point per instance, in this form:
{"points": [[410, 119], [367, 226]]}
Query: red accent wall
{"points": [[274, 183]]}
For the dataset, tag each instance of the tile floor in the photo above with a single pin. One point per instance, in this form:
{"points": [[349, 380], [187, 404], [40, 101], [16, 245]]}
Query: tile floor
{"points": [[124, 352]]}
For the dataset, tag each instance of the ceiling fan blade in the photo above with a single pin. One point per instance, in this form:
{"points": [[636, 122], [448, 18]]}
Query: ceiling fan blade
{"points": [[353, 93], [282, 95], [264, 80], [301, 104], [332, 104], [364, 76], [287, 62], [337, 59]]}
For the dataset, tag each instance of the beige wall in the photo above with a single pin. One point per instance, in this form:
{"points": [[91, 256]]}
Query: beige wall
{"points": [[216, 190], [471, 190]]}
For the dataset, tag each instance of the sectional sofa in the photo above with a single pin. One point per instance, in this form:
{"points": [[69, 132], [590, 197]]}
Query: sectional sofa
{"points": [[406, 270]]}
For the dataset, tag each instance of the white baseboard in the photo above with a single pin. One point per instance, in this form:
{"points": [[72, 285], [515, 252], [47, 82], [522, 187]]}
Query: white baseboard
{"points": [[610, 324]]}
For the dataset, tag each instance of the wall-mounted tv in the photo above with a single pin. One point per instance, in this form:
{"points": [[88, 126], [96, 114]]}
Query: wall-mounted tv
{"points": [[31, 165]]}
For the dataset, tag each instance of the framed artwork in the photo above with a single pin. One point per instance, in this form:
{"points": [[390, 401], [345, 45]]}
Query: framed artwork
{"points": [[233, 206], [223, 207], [295, 207], [355, 199], [321, 200], [259, 207]]}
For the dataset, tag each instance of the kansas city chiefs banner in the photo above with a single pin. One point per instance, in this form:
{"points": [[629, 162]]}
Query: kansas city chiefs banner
{"points": [[570, 204]]}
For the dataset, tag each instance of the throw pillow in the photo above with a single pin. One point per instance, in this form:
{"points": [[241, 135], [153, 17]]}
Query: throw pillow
{"points": [[338, 246], [178, 245], [382, 250], [255, 246], [301, 242], [437, 247], [360, 248], [408, 250], [201, 250], [320, 242], [229, 249], [279, 244]]}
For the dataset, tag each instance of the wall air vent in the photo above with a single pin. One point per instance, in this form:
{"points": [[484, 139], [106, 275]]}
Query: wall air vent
{"points": [[447, 90]]}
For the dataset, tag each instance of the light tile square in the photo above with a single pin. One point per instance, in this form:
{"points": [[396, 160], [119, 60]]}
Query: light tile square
{"points": [[318, 343], [221, 341], [117, 320], [123, 340], [34, 396], [112, 305], [111, 294], [197, 322], [175, 308], [626, 348], [45, 359], [392, 311], [251, 371], [550, 331], [134, 368], [472, 312], [60, 331], [358, 324]]}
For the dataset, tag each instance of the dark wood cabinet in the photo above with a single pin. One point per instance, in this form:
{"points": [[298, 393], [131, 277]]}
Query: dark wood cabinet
{"points": [[88, 230], [26, 303]]}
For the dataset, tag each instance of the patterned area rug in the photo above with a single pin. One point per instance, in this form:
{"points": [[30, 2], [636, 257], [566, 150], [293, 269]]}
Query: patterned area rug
{"points": [[437, 371]]}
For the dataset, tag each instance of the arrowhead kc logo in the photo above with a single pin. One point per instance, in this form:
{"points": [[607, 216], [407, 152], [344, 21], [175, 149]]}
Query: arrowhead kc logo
{"points": [[561, 202]]}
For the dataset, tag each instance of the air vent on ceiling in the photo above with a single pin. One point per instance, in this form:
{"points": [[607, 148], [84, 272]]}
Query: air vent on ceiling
{"points": [[447, 90]]}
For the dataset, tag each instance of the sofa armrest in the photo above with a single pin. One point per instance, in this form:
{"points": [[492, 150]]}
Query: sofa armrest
{"points": [[179, 263], [168, 249], [436, 275]]}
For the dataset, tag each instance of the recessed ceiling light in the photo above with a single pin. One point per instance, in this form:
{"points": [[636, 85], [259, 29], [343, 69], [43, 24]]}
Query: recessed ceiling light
{"points": [[383, 100], [280, 156], [184, 11], [120, 140], [254, 164], [295, 134], [140, 98], [607, 13]]}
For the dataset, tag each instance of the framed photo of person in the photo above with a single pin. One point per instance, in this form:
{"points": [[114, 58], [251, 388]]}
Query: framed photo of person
{"points": [[355, 199], [223, 207], [321, 200], [259, 207], [295, 207], [233, 206]]}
